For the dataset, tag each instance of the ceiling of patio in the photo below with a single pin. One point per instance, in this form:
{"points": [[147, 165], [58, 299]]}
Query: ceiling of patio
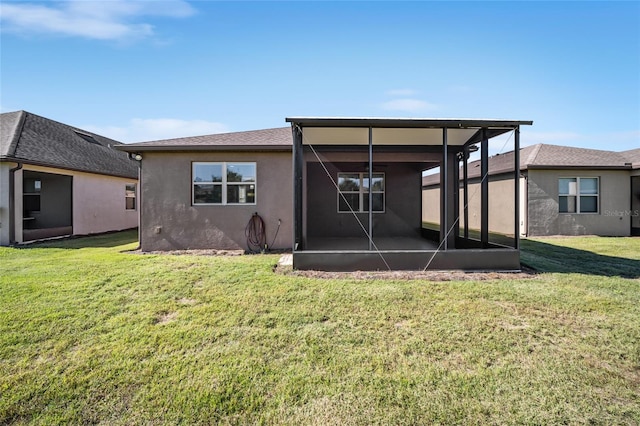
{"points": [[398, 131], [383, 136]]}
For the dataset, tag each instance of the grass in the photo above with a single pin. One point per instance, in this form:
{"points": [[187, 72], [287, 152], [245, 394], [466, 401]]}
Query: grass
{"points": [[90, 333]]}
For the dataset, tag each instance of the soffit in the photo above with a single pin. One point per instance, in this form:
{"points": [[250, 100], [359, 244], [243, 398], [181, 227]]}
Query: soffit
{"points": [[384, 136]]}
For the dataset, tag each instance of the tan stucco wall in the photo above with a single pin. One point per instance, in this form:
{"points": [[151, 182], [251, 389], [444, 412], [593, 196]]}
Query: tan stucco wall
{"points": [[169, 221], [501, 206], [98, 202], [544, 218], [4, 202], [17, 205], [431, 205]]}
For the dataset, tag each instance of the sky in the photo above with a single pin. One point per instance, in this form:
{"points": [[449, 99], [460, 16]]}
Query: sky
{"points": [[147, 70]]}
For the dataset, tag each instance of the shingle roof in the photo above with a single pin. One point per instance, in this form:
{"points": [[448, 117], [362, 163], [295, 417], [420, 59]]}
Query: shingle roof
{"points": [[38, 140], [10, 123], [567, 156], [278, 138], [633, 157], [542, 156]]}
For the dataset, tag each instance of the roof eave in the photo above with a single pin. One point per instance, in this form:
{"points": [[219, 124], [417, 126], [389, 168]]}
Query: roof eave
{"points": [[188, 148], [54, 166], [377, 122], [580, 167]]}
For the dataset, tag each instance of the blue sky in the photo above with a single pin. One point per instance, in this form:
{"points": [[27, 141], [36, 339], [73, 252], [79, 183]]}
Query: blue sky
{"points": [[145, 70]]}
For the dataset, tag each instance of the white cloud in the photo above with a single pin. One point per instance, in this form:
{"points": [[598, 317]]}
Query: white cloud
{"points": [[102, 20], [408, 105], [147, 129]]}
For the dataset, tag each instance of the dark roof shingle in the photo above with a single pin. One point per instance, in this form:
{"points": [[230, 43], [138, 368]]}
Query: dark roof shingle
{"points": [[280, 137], [568, 156], [10, 123], [542, 156], [34, 139], [633, 157]]}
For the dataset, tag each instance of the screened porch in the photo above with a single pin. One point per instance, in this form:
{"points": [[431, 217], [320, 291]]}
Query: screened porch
{"points": [[358, 199]]}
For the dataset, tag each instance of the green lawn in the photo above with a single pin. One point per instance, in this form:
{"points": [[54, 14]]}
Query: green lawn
{"points": [[90, 333]]}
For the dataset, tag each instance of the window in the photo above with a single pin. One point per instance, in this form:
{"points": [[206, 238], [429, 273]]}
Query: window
{"points": [[353, 192], [578, 195], [130, 196], [224, 183]]}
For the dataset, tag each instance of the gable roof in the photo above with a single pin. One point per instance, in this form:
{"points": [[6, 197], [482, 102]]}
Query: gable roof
{"points": [[33, 139], [255, 140], [545, 156], [633, 157], [554, 156]]}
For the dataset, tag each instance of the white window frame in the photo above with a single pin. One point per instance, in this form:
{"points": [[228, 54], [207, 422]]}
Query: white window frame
{"points": [[224, 184], [127, 196], [578, 195], [362, 191]]}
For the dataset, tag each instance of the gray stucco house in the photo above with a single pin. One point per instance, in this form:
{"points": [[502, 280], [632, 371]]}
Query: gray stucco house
{"points": [[200, 192], [58, 180], [565, 191], [342, 193]]}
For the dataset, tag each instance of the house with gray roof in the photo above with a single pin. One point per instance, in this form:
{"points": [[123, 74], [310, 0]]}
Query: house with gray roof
{"points": [[342, 193], [564, 191], [58, 180], [200, 192]]}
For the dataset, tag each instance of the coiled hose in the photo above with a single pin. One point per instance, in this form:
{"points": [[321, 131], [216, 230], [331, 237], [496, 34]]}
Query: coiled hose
{"points": [[256, 234]]}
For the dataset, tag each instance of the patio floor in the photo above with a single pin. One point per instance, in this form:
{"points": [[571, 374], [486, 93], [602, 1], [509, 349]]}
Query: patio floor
{"points": [[359, 244]]}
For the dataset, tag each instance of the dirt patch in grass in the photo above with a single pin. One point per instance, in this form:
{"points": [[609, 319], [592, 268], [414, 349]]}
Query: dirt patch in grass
{"points": [[165, 317], [453, 275], [203, 252]]}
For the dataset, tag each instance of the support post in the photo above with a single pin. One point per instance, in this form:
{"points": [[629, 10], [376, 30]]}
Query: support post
{"points": [[484, 189], [298, 162], [465, 187], [448, 191], [370, 188], [444, 189], [456, 197], [516, 192]]}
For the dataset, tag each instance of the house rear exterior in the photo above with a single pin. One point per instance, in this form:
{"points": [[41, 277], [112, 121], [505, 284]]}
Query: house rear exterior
{"points": [[341, 193], [565, 191], [201, 192], [57, 180]]}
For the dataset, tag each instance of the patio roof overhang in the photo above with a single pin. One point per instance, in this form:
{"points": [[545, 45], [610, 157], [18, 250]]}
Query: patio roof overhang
{"points": [[400, 131]]}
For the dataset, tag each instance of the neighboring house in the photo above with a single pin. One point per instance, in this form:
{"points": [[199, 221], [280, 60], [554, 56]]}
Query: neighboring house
{"points": [[342, 193], [564, 191], [57, 180]]}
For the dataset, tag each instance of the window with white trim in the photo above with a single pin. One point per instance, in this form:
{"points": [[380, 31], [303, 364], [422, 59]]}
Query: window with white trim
{"points": [[578, 195], [353, 193], [223, 183], [130, 196]]}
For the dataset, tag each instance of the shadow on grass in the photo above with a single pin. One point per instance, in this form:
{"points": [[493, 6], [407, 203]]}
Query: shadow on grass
{"points": [[545, 257], [106, 240]]}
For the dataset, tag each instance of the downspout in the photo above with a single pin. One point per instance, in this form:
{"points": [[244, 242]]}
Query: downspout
{"points": [[12, 213]]}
